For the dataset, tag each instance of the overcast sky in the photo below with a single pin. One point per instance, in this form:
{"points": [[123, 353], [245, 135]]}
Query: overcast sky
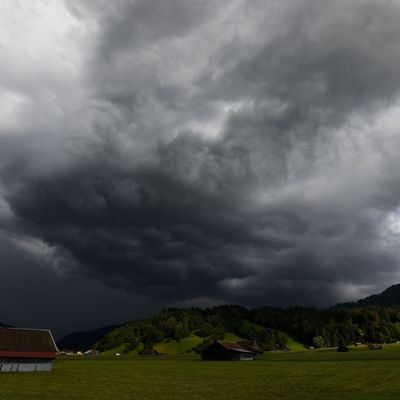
{"points": [[185, 152]]}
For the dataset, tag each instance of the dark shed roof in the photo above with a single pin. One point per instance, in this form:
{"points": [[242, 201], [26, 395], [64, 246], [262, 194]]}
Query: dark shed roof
{"points": [[233, 346], [27, 343], [251, 345]]}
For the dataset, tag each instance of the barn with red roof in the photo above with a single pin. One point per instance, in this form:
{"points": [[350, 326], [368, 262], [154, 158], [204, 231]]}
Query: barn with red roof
{"points": [[26, 350], [220, 350]]}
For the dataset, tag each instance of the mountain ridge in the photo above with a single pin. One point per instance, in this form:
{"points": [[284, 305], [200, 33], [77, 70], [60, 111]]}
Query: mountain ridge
{"points": [[84, 340], [388, 297]]}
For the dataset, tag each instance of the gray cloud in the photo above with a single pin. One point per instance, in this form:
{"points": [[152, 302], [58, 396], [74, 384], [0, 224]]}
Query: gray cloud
{"points": [[244, 152]]}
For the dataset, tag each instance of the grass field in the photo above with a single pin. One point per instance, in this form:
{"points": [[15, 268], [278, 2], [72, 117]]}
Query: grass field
{"points": [[321, 374]]}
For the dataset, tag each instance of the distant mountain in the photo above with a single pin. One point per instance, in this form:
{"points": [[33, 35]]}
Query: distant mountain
{"points": [[84, 340], [389, 297]]}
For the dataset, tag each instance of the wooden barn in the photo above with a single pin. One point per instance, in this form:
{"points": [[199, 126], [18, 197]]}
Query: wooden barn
{"points": [[26, 350], [220, 350]]}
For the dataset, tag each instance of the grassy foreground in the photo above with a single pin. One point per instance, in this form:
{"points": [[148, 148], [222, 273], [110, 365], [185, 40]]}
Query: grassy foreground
{"points": [[359, 374]]}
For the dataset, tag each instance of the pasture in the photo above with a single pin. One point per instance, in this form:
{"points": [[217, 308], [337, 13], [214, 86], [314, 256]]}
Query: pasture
{"points": [[321, 374]]}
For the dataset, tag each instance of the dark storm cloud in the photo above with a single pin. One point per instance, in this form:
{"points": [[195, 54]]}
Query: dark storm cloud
{"points": [[144, 228], [142, 22], [34, 295], [245, 153]]}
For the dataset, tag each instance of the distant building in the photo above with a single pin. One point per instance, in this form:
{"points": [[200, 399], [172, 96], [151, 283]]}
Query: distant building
{"points": [[229, 351], [149, 352], [26, 350], [91, 353], [375, 346]]}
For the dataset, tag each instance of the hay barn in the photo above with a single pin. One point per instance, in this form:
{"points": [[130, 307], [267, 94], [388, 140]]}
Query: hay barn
{"points": [[26, 350], [220, 350]]}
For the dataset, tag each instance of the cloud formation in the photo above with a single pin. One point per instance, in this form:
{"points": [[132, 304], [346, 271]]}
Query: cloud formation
{"points": [[240, 152]]}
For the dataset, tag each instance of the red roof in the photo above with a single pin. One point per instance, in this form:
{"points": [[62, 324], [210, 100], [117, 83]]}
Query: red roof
{"points": [[27, 343], [233, 346]]}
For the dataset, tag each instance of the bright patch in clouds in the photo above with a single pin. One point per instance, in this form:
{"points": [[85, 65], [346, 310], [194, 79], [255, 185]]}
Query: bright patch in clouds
{"points": [[394, 222], [11, 110]]}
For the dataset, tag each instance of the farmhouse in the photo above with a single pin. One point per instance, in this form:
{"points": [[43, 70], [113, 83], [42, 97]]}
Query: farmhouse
{"points": [[26, 350], [220, 350]]}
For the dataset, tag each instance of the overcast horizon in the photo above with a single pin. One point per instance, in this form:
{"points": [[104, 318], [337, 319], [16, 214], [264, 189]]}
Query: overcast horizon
{"points": [[158, 153]]}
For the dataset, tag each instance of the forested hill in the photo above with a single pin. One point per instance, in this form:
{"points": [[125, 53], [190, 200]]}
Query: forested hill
{"points": [[193, 326], [270, 327], [389, 297]]}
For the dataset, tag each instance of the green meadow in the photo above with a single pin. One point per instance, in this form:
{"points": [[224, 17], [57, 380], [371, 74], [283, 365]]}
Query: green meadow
{"points": [[308, 374]]}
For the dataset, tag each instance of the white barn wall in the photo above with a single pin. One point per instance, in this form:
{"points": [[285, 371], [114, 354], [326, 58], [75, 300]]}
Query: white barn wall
{"points": [[21, 366]]}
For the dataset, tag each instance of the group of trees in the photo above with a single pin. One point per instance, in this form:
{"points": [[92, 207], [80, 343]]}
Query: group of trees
{"points": [[311, 326], [335, 326]]}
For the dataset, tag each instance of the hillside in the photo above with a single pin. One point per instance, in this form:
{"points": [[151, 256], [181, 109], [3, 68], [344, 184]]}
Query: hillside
{"points": [[272, 328], [177, 331], [389, 297], [83, 340], [182, 346]]}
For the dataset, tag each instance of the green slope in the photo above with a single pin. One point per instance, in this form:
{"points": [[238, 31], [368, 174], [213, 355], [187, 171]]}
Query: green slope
{"points": [[183, 346], [231, 337], [120, 349], [293, 344]]}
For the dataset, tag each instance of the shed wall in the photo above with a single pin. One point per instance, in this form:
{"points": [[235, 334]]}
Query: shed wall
{"points": [[32, 365]]}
